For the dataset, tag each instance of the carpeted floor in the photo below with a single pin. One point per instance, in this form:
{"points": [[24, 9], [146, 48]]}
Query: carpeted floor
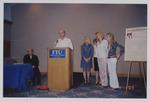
{"points": [[79, 90]]}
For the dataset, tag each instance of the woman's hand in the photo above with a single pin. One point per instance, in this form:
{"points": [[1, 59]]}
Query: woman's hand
{"points": [[86, 59], [118, 56]]}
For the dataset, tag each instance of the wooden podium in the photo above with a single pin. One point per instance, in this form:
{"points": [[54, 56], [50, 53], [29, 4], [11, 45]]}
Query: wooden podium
{"points": [[59, 68]]}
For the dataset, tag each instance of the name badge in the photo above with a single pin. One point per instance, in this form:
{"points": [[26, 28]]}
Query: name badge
{"points": [[57, 53]]}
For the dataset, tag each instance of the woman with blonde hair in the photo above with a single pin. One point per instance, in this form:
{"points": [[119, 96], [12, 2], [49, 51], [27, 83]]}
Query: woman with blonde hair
{"points": [[86, 59], [112, 60], [102, 47]]}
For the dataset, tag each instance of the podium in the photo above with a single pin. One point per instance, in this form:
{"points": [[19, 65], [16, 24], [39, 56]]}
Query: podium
{"points": [[59, 68]]}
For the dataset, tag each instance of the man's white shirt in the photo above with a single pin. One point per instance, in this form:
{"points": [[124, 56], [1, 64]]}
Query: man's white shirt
{"points": [[66, 42]]}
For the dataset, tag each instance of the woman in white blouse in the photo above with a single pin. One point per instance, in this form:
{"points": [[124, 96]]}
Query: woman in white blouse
{"points": [[102, 54]]}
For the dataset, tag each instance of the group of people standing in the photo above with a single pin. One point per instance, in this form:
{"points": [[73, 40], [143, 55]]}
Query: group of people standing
{"points": [[103, 50]]}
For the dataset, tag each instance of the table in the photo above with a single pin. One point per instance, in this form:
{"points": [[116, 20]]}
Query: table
{"points": [[16, 75]]}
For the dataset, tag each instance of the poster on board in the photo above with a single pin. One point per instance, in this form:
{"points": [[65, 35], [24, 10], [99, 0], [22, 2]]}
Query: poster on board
{"points": [[136, 44]]}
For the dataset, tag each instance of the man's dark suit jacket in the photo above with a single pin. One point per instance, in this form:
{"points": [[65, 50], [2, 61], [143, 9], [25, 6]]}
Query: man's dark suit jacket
{"points": [[34, 61]]}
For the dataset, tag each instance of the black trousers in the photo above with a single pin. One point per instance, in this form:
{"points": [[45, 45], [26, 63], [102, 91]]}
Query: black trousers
{"points": [[37, 76], [96, 68]]}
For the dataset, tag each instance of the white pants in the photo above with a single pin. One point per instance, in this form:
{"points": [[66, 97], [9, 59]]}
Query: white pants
{"points": [[102, 64], [113, 79]]}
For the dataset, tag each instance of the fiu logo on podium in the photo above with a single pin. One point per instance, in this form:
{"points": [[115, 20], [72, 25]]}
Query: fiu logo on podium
{"points": [[57, 53]]}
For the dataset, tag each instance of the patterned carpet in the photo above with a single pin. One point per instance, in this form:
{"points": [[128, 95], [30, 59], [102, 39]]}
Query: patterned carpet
{"points": [[79, 90]]}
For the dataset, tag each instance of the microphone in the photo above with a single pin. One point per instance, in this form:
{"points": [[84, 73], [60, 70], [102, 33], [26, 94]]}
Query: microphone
{"points": [[56, 42]]}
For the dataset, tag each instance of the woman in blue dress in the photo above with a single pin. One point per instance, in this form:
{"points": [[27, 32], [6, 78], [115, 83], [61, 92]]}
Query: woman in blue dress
{"points": [[86, 59]]}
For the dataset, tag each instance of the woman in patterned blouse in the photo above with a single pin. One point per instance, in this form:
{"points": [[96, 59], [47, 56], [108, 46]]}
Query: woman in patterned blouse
{"points": [[112, 60]]}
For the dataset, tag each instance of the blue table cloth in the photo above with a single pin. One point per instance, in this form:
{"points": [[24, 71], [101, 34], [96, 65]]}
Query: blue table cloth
{"points": [[16, 75]]}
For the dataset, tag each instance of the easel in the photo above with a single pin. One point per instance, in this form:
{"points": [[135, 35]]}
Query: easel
{"points": [[130, 65]]}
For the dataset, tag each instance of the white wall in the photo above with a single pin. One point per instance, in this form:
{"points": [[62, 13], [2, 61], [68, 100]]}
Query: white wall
{"points": [[37, 26]]}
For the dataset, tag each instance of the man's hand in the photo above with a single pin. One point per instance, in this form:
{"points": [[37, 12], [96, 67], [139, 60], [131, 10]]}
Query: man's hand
{"points": [[33, 66]]}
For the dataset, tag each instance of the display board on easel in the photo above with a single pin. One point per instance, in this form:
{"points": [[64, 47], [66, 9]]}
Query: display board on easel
{"points": [[136, 44], [136, 49]]}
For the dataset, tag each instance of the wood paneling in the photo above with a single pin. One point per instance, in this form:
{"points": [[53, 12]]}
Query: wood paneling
{"points": [[60, 71], [6, 48], [8, 22]]}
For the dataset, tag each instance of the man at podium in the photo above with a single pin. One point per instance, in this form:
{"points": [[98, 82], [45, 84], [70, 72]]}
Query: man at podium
{"points": [[60, 64], [63, 41]]}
